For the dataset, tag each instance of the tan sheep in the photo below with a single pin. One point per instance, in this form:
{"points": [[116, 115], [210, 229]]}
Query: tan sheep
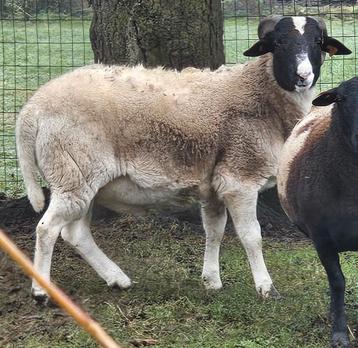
{"points": [[134, 139]]}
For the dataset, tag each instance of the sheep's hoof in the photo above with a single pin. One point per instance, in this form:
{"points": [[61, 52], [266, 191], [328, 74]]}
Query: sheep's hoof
{"points": [[269, 293], [340, 340], [41, 299], [121, 284], [211, 284]]}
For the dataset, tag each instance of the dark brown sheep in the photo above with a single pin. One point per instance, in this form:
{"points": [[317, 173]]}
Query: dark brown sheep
{"points": [[318, 187]]}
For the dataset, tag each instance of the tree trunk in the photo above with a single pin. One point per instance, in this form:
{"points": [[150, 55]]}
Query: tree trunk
{"points": [[169, 33]]}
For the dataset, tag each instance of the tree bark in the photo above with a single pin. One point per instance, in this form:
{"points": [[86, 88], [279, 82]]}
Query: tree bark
{"points": [[170, 33]]}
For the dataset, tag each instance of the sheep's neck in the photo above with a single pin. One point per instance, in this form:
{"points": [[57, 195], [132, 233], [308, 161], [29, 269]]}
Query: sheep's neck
{"points": [[288, 107]]}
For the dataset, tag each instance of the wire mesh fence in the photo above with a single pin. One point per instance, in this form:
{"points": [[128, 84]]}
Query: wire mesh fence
{"points": [[41, 39]]}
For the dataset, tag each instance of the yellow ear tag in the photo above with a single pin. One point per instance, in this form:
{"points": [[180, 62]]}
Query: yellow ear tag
{"points": [[332, 50]]}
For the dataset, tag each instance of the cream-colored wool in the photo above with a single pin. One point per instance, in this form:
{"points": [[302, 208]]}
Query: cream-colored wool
{"points": [[161, 129], [135, 139]]}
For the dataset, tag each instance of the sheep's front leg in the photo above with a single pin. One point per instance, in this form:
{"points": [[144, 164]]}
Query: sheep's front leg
{"points": [[330, 260], [78, 235], [214, 220], [242, 207]]}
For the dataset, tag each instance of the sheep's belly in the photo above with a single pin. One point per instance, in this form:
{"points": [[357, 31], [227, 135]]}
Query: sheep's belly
{"points": [[124, 195]]}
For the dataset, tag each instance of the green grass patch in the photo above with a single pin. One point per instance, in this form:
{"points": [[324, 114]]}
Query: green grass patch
{"points": [[168, 302]]}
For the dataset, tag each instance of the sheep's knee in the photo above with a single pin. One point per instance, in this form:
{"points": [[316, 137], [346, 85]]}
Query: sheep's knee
{"points": [[46, 234]]}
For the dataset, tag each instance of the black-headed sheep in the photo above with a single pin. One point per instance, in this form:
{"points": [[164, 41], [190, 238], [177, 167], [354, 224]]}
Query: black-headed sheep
{"points": [[133, 138]]}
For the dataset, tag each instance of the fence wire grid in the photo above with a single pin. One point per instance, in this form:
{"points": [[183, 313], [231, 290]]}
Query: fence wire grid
{"points": [[41, 39]]}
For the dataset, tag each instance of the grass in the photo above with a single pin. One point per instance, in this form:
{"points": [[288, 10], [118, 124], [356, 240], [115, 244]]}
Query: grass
{"points": [[168, 302]]}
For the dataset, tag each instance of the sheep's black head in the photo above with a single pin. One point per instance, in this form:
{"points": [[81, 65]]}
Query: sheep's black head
{"points": [[346, 98], [298, 45]]}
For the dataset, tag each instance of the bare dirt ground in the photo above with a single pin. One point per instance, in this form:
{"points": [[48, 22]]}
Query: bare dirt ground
{"points": [[20, 316]]}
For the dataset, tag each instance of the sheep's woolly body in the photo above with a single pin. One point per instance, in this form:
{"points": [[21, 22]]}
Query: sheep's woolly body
{"points": [[318, 188], [317, 168], [302, 138], [143, 136]]}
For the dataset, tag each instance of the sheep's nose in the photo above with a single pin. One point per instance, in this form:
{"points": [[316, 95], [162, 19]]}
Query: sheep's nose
{"points": [[304, 79], [303, 76]]}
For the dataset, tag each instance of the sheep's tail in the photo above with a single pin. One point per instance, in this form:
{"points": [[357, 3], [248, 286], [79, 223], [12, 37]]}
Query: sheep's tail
{"points": [[26, 131]]}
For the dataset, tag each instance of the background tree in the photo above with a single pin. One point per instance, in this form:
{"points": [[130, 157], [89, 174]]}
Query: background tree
{"points": [[175, 34]]}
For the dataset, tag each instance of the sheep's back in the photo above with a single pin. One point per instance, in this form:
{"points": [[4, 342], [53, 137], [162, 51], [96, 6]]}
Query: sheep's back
{"points": [[108, 115]]}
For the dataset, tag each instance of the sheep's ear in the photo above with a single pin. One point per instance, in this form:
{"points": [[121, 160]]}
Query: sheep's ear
{"points": [[334, 47], [326, 98], [258, 49]]}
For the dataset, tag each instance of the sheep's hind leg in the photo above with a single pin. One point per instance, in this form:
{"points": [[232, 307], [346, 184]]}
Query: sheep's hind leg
{"points": [[241, 203], [214, 220], [78, 235], [55, 218]]}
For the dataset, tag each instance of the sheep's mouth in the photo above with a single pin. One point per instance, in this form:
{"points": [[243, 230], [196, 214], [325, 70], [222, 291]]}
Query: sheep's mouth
{"points": [[301, 87], [300, 83]]}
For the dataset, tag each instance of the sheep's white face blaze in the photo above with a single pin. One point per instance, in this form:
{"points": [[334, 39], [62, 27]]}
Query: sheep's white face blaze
{"points": [[299, 23], [304, 66], [304, 72]]}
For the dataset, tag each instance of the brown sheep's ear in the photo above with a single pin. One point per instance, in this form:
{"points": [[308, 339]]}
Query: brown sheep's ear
{"points": [[326, 98], [334, 47], [258, 49]]}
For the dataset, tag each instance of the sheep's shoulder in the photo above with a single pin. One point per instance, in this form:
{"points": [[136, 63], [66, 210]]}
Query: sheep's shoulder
{"points": [[307, 132], [303, 137]]}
